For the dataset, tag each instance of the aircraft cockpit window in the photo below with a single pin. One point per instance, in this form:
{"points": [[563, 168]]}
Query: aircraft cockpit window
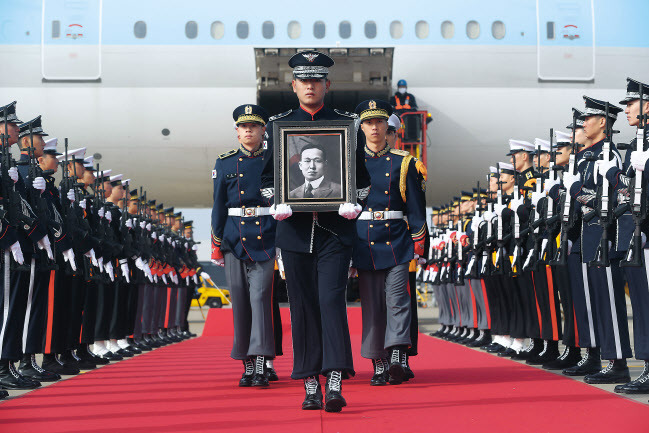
{"points": [[294, 30], [345, 29], [370, 30], [268, 30], [56, 29], [396, 29], [242, 29], [498, 29], [217, 30], [472, 29], [421, 29], [139, 29], [191, 29], [448, 29], [319, 29]]}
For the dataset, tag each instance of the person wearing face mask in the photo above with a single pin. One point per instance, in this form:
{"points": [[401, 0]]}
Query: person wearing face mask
{"points": [[402, 100]]}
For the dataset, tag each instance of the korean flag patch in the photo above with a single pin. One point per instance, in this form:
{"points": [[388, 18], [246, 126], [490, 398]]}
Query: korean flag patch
{"points": [[213, 174]]}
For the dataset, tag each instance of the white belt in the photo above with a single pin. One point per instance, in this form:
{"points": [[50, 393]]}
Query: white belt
{"points": [[381, 215], [249, 212]]}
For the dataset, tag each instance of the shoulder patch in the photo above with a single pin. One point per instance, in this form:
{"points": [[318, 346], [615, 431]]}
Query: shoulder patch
{"points": [[400, 152], [346, 113], [280, 115], [228, 153]]}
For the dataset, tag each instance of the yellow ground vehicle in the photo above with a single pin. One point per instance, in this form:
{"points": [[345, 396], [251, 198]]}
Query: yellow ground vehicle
{"points": [[211, 295]]}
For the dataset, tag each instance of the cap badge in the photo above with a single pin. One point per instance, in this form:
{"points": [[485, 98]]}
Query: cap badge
{"points": [[248, 109], [372, 105], [310, 56]]}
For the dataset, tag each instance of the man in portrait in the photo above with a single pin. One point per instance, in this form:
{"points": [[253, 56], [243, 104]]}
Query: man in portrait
{"points": [[313, 164]]}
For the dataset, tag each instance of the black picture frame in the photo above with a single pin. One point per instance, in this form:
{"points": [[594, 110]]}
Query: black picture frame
{"points": [[333, 140]]}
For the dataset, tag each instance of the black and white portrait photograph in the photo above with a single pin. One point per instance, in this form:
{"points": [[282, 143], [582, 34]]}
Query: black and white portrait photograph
{"points": [[315, 166]]}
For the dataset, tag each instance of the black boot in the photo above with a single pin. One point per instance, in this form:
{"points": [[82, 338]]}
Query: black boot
{"points": [[397, 373], [11, 379], [638, 386], [569, 358], [270, 372], [617, 371], [248, 372], [69, 357], [260, 379], [29, 368], [590, 363], [406, 367], [313, 394], [334, 400], [3, 394], [379, 378], [439, 332], [52, 363], [478, 340], [550, 351]]}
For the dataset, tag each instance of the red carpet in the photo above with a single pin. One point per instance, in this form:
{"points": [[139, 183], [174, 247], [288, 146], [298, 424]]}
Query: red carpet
{"points": [[191, 386]]}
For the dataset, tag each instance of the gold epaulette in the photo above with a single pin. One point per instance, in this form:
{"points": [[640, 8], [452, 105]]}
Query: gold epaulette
{"points": [[404, 171], [228, 153], [400, 152], [421, 168]]}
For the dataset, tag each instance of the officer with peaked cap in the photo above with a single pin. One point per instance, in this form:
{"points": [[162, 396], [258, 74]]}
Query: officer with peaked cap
{"points": [[386, 244], [320, 242], [243, 241], [606, 283]]}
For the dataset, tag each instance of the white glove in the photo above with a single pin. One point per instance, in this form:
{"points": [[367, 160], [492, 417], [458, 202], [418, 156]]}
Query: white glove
{"points": [[195, 277], [139, 263], [82, 204], [155, 279], [570, 179], [499, 208], [109, 216], [100, 264], [549, 184], [536, 197], [602, 167], [100, 212], [195, 247], [420, 260], [205, 276], [639, 159], [488, 216], [147, 272], [154, 235], [109, 270], [68, 256], [13, 174], [142, 225], [187, 280], [129, 223], [148, 226], [349, 210], [162, 237], [70, 195], [517, 203], [475, 223], [17, 252], [39, 184], [219, 262], [125, 271], [267, 192], [93, 259], [281, 211], [174, 277], [164, 278], [44, 244], [569, 246]]}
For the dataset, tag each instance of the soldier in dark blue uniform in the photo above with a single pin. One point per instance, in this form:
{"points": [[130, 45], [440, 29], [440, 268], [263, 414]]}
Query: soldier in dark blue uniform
{"points": [[387, 244], [316, 251], [607, 284], [32, 236], [243, 240]]}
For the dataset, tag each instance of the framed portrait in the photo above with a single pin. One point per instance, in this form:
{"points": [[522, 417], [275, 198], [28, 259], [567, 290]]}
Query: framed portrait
{"points": [[315, 164]]}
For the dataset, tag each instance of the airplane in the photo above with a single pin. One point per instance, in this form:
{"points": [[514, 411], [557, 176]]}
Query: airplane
{"points": [[150, 85]]}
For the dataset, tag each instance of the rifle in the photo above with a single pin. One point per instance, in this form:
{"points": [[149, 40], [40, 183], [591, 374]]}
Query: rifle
{"points": [[472, 270], [486, 267], [605, 203], [459, 277], [639, 203], [516, 265], [499, 265]]}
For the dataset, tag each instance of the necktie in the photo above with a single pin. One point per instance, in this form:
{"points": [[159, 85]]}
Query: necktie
{"points": [[308, 191]]}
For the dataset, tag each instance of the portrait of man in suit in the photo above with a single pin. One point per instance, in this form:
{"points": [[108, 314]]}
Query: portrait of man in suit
{"points": [[313, 165]]}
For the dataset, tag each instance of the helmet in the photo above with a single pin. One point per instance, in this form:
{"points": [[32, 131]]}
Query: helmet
{"points": [[402, 83]]}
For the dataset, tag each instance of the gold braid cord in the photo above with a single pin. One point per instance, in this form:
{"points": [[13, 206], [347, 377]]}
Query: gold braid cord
{"points": [[404, 174]]}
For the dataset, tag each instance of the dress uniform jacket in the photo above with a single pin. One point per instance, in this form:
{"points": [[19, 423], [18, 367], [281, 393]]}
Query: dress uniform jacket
{"points": [[396, 186], [237, 185], [296, 233]]}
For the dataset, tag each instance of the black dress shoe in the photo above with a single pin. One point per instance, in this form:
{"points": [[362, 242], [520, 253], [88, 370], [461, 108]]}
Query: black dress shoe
{"points": [[379, 378], [496, 348], [313, 396], [51, 363], [397, 373], [638, 386], [111, 356], [3, 394], [334, 400], [84, 354], [30, 369], [11, 379], [408, 374], [259, 380], [70, 358], [152, 342], [507, 352], [248, 372], [569, 358], [590, 363], [616, 371], [124, 353], [271, 374]]}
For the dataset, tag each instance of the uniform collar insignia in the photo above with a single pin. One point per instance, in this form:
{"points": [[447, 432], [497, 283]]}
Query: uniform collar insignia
{"points": [[381, 152], [246, 152], [310, 57]]}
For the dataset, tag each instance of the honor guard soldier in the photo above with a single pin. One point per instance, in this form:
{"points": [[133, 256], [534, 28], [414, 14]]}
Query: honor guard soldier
{"points": [[316, 249], [243, 240], [386, 245], [605, 279]]}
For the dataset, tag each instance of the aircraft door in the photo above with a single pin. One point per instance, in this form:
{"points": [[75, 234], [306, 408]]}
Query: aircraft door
{"points": [[71, 40], [565, 40]]}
